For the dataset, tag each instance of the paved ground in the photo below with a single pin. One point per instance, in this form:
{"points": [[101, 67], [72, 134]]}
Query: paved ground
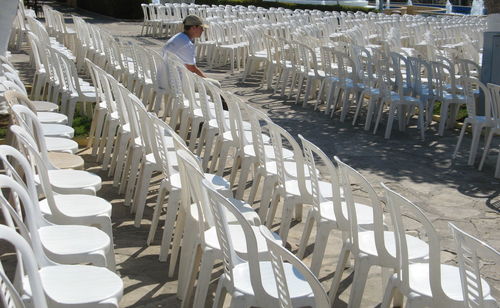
{"points": [[447, 190]]}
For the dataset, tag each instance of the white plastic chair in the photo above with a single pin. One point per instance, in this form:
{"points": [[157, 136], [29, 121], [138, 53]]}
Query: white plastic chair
{"points": [[290, 185], [67, 285], [329, 210], [63, 180], [495, 99], [65, 244], [477, 122], [14, 96], [469, 252], [30, 122], [447, 94], [9, 296], [400, 100], [368, 247], [75, 89], [207, 247], [80, 209], [424, 284], [250, 279]]}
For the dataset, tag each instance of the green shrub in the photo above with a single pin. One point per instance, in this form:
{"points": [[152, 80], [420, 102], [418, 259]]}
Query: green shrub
{"points": [[131, 9], [125, 9], [81, 124]]}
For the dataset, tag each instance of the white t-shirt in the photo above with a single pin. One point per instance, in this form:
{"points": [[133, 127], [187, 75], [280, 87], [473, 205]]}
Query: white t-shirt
{"points": [[183, 47]]}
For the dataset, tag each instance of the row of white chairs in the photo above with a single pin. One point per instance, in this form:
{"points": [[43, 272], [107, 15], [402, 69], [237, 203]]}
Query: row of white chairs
{"points": [[61, 227], [179, 99], [194, 176]]}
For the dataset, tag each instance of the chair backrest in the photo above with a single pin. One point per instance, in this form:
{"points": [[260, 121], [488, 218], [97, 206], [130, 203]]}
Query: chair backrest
{"points": [[258, 122], [38, 166], [470, 85], [191, 178], [397, 205], [443, 75], [279, 255], [17, 98], [402, 70], [160, 146], [312, 153], [30, 122], [12, 192], [352, 177], [103, 86], [467, 68], [364, 63], [422, 76], [470, 251], [9, 296], [279, 138], [495, 99]]}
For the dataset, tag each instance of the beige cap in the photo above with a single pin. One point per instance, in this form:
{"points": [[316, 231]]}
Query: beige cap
{"points": [[193, 20]]}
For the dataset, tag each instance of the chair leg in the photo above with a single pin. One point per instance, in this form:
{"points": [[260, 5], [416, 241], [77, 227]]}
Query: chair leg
{"points": [[272, 210], [267, 197], [390, 120], [361, 269], [306, 233], [486, 148], [460, 138], [220, 295], [255, 187], [244, 171], [342, 261], [176, 242], [156, 214], [322, 235], [286, 219], [193, 265], [207, 265], [390, 290], [476, 135], [172, 209]]}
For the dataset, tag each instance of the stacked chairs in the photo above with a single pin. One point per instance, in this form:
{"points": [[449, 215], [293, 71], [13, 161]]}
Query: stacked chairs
{"points": [[62, 284]]}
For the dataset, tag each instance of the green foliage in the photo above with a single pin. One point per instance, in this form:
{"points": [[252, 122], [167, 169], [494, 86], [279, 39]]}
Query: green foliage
{"points": [[131, 9], [292, 6], [126, 9], [81, 124], [462, 111]]}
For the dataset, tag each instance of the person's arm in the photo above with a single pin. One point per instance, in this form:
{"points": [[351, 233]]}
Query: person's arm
{"points": [[193, 68]]}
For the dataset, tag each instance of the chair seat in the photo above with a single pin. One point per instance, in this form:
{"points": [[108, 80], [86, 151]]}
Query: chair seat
{"points": [[45, 106], [57, 130], [77, 205], [56, 144], [52, 117], [297, 284], [417, 249], [450, 281], [62, 160], [80, 284], [364, 213], [72, 240], [69, 181]]}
